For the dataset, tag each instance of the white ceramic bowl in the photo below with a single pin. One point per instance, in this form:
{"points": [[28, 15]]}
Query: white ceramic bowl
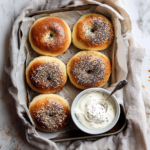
{"points": [[94, 131]]}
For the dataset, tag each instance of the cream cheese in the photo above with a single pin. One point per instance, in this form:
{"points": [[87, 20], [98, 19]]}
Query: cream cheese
{"points": [[93, 115]]}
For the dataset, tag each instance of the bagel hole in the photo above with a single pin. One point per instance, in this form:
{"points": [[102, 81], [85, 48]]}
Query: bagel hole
{"points": [[51, 35], [48, 78], [92, 30], [90, 71]]}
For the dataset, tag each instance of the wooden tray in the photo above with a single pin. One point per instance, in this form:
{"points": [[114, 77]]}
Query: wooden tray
{"points": [[78, 134]]}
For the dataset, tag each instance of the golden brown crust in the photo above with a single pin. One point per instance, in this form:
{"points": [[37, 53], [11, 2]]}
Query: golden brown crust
{"points": [[50, 112], [89, 69], [93, 32], [50, 36], [46, 74]]}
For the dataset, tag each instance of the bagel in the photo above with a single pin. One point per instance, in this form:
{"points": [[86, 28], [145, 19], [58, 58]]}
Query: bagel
{"points": [[89, 69], [49, 112], [92, 32], [46, 74], [50, 36]]}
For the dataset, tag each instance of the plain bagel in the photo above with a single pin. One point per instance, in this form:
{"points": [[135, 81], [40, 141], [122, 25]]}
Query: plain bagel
{"points": [[50, 36]]}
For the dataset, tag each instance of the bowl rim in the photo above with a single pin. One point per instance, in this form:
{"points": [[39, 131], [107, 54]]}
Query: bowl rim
{"points": [[94, 131]]}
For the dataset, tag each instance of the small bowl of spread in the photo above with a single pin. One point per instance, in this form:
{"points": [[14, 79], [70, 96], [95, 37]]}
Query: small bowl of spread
{"points": [[90, 116]]}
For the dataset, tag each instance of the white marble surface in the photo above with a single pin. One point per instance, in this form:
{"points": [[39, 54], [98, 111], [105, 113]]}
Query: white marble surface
{"points": [[11, 133]]}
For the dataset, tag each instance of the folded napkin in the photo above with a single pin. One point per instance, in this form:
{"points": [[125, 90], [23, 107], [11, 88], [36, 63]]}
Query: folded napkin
{"points": [[127, 65]]}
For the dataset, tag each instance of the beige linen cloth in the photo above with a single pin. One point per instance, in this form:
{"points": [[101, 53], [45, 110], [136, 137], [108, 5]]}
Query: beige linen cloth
{"points": [[127, 65]]}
